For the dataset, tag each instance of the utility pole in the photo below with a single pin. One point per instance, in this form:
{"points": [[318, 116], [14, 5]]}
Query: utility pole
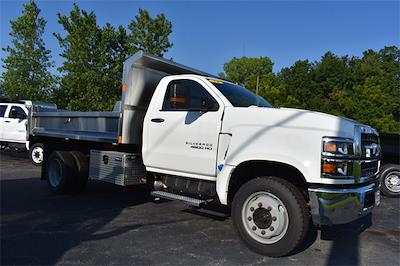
{"points": [[258, 80]]}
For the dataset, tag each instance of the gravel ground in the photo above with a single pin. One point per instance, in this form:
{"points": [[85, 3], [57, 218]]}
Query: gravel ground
{"points": [[110, 225]]}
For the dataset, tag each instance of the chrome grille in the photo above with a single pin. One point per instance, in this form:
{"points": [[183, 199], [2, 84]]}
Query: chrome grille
{"points": [[369, 138], [370, 147], [369, 169]]}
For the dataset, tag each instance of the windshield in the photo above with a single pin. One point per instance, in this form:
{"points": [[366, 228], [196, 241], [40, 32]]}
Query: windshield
{"points": [[239, 96]]}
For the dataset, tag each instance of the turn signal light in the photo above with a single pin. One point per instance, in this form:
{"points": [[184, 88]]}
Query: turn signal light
{"points": [[329, 168], [330, 146]]}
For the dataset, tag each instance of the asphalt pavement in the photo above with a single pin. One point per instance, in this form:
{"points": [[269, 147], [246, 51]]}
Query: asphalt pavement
{"points": [[107, 224]]}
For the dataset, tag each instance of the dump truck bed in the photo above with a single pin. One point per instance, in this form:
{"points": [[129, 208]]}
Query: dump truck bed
{"points": [[141, 74]]}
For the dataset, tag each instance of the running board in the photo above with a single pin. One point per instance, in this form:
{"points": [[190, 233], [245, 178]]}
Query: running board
{"points": [[170, 196]]}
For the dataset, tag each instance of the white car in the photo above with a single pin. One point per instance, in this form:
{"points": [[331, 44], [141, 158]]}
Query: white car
{"points": [[13, 127]]}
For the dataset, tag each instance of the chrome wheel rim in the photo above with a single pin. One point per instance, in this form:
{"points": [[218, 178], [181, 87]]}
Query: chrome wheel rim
{"points": [[265, 217], [55, 173], [37, 155], [392, 182]]}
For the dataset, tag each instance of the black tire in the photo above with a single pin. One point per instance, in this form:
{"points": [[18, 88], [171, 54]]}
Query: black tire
{"points": [[36, 153], [387, 172], [297, 212], [61, 171], [82, 164]]}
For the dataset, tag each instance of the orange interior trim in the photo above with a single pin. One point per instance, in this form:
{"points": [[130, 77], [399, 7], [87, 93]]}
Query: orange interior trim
{"points": [[177, 100]]}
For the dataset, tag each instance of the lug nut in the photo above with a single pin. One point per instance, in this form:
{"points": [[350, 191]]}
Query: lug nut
{"points": [[271, 228], [251, 209], [269, 208], [249, 218], [273, 218], [263, 232], [254, 228], [260, 204]]}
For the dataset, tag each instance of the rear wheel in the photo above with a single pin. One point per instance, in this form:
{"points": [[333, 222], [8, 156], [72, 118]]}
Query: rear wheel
{"points": [[61, 172], [390, 180], [37, 153], [81, 179], [270, 215]]}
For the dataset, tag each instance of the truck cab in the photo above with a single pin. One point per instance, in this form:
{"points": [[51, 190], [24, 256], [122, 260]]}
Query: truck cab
{"points": [[13, 121]]}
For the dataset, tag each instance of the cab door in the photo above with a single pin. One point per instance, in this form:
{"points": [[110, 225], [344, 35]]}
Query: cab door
{"points": [[3, 110], [181, 134], [14, 126]]}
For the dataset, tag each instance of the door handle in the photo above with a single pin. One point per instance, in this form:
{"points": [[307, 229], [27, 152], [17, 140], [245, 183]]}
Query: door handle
{"points": [[7, 121], [157, 120]]}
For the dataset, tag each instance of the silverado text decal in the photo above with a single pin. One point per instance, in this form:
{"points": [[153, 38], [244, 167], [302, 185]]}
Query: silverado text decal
{"points": [[199, 145]]}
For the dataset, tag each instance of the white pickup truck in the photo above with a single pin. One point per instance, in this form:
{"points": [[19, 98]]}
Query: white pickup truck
{"points": [[13, 127], [199, 139]]}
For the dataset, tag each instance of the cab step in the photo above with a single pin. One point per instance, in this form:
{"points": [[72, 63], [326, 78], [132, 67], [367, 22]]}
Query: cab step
{"points": [[171, 196]]}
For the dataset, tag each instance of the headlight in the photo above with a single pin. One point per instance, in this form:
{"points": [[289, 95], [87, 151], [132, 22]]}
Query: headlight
{"points": [[337, 147]]}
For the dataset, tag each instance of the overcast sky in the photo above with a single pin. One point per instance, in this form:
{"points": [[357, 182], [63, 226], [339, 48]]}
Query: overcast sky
{"points": [[206, 34]]}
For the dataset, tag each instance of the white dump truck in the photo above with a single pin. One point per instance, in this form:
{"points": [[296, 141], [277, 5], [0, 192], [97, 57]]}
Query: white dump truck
{"points": [[199, 139]]}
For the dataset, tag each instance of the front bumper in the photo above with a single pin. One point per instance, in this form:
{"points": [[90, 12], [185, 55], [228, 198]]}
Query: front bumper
{"points": [[342, 205]]}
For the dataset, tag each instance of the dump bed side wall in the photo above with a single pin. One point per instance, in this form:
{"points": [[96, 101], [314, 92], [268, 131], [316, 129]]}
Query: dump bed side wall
{"points": [[140, 87], [90, 126]]}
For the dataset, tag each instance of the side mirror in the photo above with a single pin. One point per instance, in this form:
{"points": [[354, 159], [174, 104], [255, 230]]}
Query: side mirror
{"points": [[13, 113]]}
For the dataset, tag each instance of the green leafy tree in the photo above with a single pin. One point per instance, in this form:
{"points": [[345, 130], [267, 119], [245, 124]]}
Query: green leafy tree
{"points": [[366, 89], [298, 86], [81, 84], [246, 70], [2, 90], [26, 74], [113, 44], [150, 34], [94, 56], [373, 106]]}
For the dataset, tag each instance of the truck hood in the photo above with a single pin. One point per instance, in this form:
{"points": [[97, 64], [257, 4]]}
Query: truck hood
{"points": [[288, 118]]}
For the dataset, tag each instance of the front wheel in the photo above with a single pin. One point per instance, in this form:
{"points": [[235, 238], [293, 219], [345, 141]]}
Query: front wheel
{"points": [[270, 215]]}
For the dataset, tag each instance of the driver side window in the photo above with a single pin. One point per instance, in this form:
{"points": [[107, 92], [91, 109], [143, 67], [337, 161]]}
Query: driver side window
{"points": [[188, 95], [17, 112]]}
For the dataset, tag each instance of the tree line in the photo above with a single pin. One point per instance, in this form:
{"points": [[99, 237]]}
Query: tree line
{"points": [[366, 89]]}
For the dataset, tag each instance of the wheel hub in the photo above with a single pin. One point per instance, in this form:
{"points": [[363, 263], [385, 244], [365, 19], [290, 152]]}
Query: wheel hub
{"points": [[392, 182], [262, 218], [265, 217], [37, 155]]}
